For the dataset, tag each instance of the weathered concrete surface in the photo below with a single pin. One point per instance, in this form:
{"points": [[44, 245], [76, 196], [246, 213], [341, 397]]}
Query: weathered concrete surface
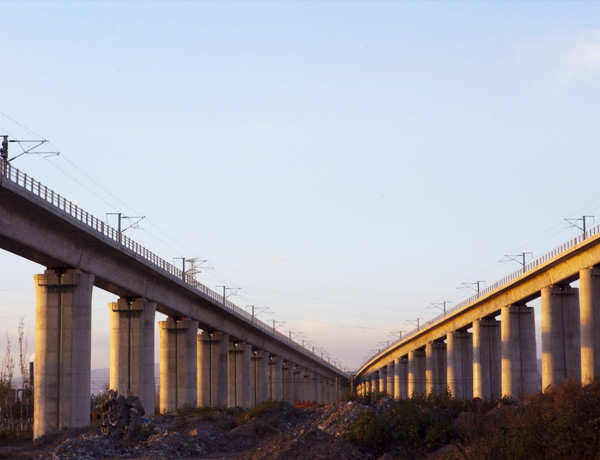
{"points": [[460, 364], [178, 360], [487, 365], [63, 341], [132, 349], [519, 362], [561, 339], [435, 372], [416, 372], [401, 378], [589, 303]]}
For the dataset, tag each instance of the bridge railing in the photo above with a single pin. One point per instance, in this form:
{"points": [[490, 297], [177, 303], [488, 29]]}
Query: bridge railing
{"points": [[28, 183], [507, 279]]}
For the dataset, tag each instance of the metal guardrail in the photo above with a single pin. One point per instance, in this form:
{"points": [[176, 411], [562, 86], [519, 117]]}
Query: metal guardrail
{"points": [[28, 183], [507, 279]]}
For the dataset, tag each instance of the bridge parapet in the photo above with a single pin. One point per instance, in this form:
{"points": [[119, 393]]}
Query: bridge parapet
{"points": [[29, 184]]}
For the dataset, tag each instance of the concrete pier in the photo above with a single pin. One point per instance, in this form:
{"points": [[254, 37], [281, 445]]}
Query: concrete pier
{"points": [[309, 394], [288, 382], [519, 362], [416, 372], [382, 380], [561, 339], [276, 378], [239, 381], [63, 350], [317, 386], [259, 376], [132, 349], [459, 348], [375, 383], [390, 375], [178, 361], [401, 378], [298, 384], [435, 372], [486, 359], [589, 302], [213, 364]]}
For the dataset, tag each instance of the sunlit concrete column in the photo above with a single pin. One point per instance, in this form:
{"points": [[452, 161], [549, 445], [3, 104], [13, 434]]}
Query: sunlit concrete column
{"points": [[416, 372], [239, 382], [213, 360], [589, 301], [288, 382], [132, 349], [260, 377], [401, 378], [435, 373], [63, 342], [487, 381], [178, 361], [561, 338], [390, 379], [276, 377], [368, 388], [519, 362], [459, 352], [382, 380], [375, 389]]}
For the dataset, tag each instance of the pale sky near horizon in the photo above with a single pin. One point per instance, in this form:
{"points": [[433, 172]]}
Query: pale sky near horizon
{"points": [[344, 163]]}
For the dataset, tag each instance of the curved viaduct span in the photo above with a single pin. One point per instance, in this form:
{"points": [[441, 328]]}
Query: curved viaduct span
{"points": [[236, 360], [473, 354]]}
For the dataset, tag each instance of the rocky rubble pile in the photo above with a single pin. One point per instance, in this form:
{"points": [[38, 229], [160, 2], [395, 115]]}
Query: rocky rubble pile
{"points": [[121, 416], [336, 419], [306, 443], [270, 431]]}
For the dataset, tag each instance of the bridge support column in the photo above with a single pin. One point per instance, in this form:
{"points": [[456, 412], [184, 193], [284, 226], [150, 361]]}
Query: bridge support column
{"points": [[178, 356], [390, 379], [561, 339], [382, 380], [318, 388], [308, 392], [589, 301], [288, 382], [298, 386], [486, 359], [460, 364], [238, 381], [63, 342], [416, 372], [259, 377], [519, 362], [132, 349], [276, 378], [401, 378], [213, 363], [435, 374], [375, 382]]}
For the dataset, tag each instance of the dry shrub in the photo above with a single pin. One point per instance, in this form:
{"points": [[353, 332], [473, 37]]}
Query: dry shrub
{"points": [[562, 423]]}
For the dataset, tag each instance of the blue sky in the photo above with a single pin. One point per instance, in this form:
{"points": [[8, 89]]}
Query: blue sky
{"points": [[345, 163]]}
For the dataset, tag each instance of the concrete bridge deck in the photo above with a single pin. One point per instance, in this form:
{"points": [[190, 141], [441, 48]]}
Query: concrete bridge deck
{"points": [[79, 249]]}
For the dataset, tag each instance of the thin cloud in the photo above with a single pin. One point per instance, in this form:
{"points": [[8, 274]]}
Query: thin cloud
{"points": [[583, 56]]}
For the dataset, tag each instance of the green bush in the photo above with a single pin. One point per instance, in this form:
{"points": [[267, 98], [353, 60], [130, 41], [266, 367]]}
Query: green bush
{"points": [[408, 428]]}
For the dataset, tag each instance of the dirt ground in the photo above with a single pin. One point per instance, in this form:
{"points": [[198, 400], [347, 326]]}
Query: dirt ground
{"points": [[271, 431]]}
